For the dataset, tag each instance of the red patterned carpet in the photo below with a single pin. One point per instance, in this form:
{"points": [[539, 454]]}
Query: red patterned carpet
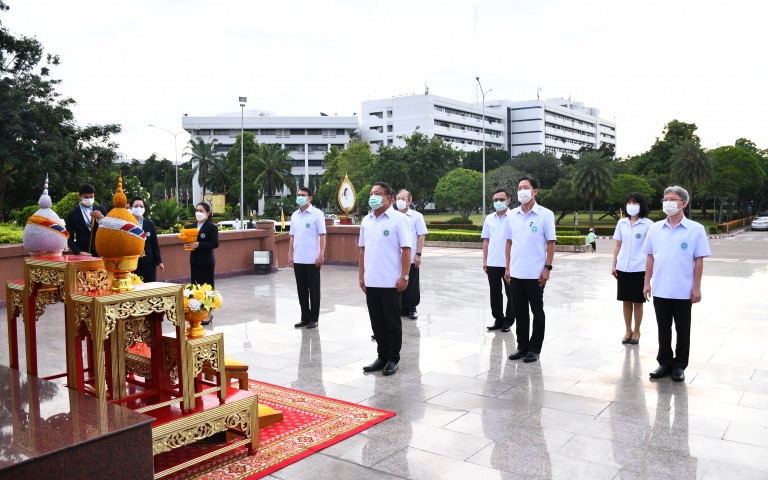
{"points": [[311, 423]]}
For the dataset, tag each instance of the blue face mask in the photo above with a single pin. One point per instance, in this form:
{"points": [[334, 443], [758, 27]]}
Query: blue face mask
{"points": [[375, 201], [301, 201], [500, 206]]}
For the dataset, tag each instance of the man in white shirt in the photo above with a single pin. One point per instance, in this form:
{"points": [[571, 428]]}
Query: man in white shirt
{"points": [[530, 249], [306, 254], [384, 261], [676, 248], [412, 295], [495, 263]]}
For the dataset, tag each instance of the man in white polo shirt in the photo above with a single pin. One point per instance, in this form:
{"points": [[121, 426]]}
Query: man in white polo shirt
{"points": [[530, 250], [676, 248], [411, 297], [495, 263], [306, 254], [384, 261]]}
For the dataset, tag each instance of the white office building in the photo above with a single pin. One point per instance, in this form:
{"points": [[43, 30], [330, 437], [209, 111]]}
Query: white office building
{"points": [[307, 138]]}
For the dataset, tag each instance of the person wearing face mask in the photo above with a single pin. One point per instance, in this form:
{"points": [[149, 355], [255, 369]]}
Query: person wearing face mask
{"points": [[83, 221], [306, 254], [201, 260], [494, 261], [675, 249], [629, 263], [412, 296], [151, 258], [529, 253], [384, 260]]}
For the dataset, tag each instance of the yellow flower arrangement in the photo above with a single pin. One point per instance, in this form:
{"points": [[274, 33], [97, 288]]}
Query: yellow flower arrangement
{"points": [[201, 298]]}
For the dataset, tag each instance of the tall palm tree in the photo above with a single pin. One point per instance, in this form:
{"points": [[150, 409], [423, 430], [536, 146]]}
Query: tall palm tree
{"points": [[274, 169], [592, 177], [204, 160], [691, 166]]}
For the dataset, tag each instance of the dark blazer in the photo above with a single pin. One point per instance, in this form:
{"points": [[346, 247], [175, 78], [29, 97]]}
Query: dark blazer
{"points": [[151, 248], [80, 236], [208, 239]]}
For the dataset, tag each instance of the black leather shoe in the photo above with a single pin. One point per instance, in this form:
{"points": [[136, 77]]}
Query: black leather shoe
{"points": [[412, 315], [207, 322], [377, 365], [494, 327], [518, 354], [312, 325], [660, 372], [390, 368], [678, 374], [300, 324], [506, 328], [531, 357]]}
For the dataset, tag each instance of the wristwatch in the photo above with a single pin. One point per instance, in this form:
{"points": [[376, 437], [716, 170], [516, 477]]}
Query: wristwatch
{"points": [[405, 277], [418, 254], [548, 266]]}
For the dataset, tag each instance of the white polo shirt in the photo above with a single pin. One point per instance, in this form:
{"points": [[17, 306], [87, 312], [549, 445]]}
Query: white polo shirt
{"points": [[383, 237], [674, 251], [418, 227], [494, 229], [529, 234], [631, 257], [306, 228]]}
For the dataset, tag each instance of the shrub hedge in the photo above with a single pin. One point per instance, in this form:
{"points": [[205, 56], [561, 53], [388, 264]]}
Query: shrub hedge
{"points": [[464, 236], [445, 226], [10, 233]]}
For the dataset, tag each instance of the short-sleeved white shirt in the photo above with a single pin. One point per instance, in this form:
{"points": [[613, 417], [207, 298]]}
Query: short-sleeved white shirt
{"points": [[418, 227], [494, 229], [383, 239], [631, 257], [529, 234], [674, 251], [306, 228]]}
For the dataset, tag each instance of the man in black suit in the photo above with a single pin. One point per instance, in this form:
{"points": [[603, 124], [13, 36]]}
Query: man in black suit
{"points": [[83, 221]]}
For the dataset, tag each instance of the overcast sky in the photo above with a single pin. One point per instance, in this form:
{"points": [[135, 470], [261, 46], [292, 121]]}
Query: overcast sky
{"points": [[641, 63]]}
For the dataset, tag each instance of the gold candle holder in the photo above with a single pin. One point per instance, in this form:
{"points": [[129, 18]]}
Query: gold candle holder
{"points": [[121, 269]]}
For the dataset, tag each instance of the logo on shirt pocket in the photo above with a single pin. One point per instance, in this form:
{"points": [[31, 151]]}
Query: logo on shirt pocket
{"points": [[202, 235], [386, 233], [684, 245], [306, 225], [637, 235], [534, 229]]}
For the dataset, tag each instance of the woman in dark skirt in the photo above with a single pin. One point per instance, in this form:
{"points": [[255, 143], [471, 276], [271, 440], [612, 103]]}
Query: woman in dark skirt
{"points": [[201, 260], [629, 263], [151, 258]]}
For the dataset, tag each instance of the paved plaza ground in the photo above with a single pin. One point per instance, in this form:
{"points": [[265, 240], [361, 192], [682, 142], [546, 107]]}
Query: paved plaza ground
{"points": [[586, 410]]}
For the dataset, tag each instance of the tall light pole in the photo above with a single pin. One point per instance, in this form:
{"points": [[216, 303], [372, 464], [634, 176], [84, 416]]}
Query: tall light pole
{"points": [[242, 143], [483, 93], [176, 157]]}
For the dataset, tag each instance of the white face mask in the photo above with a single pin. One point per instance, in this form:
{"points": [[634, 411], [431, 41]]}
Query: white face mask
{"points": [[524, 196], [670, 207], [633, 210], [201, 216], [137, 211], [87, 201], [402, 204]]}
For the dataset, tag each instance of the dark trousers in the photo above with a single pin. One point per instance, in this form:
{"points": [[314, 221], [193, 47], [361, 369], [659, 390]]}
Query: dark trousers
{"points": [[411, 297], [525, 293], [202, 274], [669, 311], [384, 310], [147, 272], [501, 317], [308, 286]]}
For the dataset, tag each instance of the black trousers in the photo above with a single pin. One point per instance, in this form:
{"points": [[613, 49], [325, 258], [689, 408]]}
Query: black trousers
{"points": [[411, 297], [384, 310], [308, 286], [502, 317], [147, 272], [202, 274], [525, 293], [669, 311]]}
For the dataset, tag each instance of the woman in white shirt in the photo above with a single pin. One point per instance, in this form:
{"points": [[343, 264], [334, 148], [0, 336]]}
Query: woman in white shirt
{"points": [[629, 263]]}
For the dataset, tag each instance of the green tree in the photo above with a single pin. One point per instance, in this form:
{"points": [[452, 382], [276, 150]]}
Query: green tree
{"points": [[691, 166], [462, 190], [737, 175], [250, 171], [353, 161], [361, 198], [543, 166], [274, 170], [561, 198], [165, 213], [506, 177], [592, 178], [657, 159], [624, 184], [494, 158], [204, 160]]}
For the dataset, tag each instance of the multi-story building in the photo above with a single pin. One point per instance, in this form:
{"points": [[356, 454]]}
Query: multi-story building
{"points": [[307, 138]]}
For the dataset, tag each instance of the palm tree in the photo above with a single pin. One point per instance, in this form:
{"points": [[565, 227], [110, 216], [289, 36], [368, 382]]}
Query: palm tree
{"points": [[205, 160], [691, 166], [274, 168], [592, 177]]}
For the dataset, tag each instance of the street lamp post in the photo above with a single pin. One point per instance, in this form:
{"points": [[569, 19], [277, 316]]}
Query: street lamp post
{"points": [[242, 143], [483, 93], [176, 157]]}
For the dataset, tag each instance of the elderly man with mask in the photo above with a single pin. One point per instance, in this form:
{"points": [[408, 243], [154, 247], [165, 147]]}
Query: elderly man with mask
{"points": [[412, 296]]}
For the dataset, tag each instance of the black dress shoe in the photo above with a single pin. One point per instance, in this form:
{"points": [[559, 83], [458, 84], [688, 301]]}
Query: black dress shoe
{"points": [[506, 328], [530, 357], [377, 364], [300, 324], [207, 322], [494, 327], [518, 354], [660, 372], [678, 374], [390, 368], [312, 325], [412, 315]]}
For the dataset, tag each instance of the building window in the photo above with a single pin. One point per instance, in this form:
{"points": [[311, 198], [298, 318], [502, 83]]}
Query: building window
{"points": [[318, 148], [221, 132], [297, 131], [294, 147], [222, 148], [340, 131], [268, 131], [204, 132], [377, 114], [389, 128], [314, 131]]}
